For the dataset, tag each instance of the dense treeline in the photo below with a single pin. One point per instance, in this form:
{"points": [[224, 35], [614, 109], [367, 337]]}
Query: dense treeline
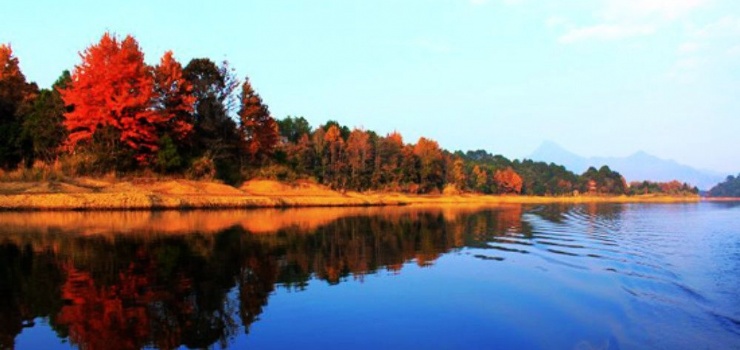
{"points": [[115, 113], [728, 188], [672, 188]]}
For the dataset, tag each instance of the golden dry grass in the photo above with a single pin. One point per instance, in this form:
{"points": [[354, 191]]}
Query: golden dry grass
{"points": [[86, 193]]}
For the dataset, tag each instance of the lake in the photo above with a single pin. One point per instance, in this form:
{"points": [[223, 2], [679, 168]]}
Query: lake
{"points": [[591, 276]]}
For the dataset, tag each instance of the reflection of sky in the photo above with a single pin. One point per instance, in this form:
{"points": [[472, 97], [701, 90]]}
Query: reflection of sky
{"points": [[714, 254], [461, 302], [40, 336]]}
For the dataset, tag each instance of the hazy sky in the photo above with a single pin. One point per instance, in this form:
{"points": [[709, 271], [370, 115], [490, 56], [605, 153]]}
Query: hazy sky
{"points": [[599, 77]]}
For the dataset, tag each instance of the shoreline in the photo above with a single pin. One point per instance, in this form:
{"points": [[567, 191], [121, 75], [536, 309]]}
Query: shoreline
{"points": [[720, 199], [179, 194]]}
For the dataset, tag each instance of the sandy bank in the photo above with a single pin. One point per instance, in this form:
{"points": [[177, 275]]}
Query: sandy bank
{"points": [[146, 194]]}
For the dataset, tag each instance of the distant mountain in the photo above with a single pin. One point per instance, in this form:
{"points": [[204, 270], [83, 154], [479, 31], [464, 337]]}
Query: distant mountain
{"points": [[636, 167]]}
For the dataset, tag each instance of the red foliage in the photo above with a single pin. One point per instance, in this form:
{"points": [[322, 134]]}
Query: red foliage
{"points": [[480, 179], [8, 63], [121, 315], [13, 87], [358, 150], [174, 97], [508, 181], [395, 138], [431, 170], [258, 129], [114, 87], [427, 149], [671, 187], [335, 156], [105, 318]]}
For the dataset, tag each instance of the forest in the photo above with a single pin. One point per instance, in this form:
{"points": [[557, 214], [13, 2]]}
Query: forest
{"points": [[115, 114], [728, 188]]}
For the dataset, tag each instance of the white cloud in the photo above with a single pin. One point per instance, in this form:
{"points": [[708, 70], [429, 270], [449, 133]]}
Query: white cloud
{"points": [[555, 21], [605, 32], [727, 26], [714, 44], [688, 63], [640, 9], [689, 47], [685, 70], [620, 19], [713, 39], [734, 51]]}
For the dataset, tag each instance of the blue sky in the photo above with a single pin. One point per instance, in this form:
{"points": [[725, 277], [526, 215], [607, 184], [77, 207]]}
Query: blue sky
{"points": [[599, 77]]}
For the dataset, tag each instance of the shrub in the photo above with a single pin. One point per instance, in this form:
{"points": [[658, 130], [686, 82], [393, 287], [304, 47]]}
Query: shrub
{"points": [[277, 172], [168, 158], [202, 169]]}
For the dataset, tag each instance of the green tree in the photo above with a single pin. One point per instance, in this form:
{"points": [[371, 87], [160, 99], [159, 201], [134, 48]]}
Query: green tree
{"points": [[16, 97], [344, 131], [44, 124], [168, 157], [728, 188], [604, 181], [292, 128], [215, 133]]}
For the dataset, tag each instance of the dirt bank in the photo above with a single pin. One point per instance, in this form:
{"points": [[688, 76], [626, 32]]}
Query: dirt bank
{"points": [[146, 194]]}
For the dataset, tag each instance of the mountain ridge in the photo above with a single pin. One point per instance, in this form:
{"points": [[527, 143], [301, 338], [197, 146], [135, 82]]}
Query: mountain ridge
{"points": [[638, 166]]}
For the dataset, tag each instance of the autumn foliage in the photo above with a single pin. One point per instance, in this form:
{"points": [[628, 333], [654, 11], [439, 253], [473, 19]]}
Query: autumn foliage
{"points": [[258, 129], [117, 113], [113, 88], [173, 98], [508, 181]]}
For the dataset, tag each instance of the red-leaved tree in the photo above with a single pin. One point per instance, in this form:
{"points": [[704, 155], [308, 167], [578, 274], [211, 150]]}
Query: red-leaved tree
{"points": [[113, 90], [508, 181], [258, 129], [174, 98]]}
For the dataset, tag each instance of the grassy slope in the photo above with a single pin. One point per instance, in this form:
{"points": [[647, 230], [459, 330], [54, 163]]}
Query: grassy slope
{"points": [[85, 193]]}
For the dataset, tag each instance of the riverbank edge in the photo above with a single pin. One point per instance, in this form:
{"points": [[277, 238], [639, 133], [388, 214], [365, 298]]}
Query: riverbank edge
{"points": [[92, 194]]}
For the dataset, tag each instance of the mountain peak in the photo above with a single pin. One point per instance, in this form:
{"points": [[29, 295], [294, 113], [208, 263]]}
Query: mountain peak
{"points": [[635, 167], [551, 152], [642, 155], [549, 146]]}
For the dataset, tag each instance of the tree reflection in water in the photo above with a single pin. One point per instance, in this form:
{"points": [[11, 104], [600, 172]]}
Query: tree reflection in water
{"points": [[133, 280]]}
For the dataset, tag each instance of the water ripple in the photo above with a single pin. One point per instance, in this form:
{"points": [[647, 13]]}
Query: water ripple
{"points": [[652, 252]]}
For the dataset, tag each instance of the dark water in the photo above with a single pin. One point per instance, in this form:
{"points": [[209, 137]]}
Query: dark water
{"points": [[618, 276]]}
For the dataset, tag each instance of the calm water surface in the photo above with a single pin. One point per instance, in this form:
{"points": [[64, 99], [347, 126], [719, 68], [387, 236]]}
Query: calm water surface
{"points": [[617, 276]]}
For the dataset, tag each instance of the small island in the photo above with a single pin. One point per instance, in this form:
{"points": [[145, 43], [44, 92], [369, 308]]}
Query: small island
{"points": [[117, 133]]}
